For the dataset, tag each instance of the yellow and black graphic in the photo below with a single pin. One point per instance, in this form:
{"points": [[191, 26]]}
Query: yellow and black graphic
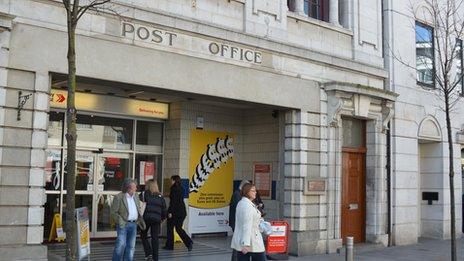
{"points": [[216, 154], [211, 168]]}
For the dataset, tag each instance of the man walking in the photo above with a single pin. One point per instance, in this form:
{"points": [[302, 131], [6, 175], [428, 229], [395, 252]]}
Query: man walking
{"points": [[125, 211]]}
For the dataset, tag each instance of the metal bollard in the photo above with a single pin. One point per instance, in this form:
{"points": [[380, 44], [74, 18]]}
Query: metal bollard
{"points": [[349, 249]]}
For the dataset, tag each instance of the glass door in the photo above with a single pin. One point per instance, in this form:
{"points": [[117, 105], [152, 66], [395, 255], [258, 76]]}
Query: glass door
{"points": [[111, 170]]}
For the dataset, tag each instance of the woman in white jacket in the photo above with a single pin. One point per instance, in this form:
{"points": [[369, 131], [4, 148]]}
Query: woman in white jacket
{"points": [[247, 239]]}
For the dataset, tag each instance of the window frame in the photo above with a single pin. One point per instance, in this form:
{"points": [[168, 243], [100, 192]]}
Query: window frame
{"points": [[432, 35], [322, 13], [461, 57]]}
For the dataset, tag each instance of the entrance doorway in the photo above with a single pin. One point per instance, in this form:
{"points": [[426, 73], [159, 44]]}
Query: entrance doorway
{"points": [[353, 203], [109, 150]]}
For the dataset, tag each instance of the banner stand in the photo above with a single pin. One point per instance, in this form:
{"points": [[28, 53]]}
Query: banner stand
{"points": [[277, 242], [83, 233]]}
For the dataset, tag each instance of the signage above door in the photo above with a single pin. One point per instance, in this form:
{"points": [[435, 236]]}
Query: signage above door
{"points": [[152, 37], [110, 104]]}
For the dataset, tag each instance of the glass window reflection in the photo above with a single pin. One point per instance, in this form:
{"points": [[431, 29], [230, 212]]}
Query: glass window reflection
{"points": [[55, 128], [103, 132], [149, 137], [425, 59]]}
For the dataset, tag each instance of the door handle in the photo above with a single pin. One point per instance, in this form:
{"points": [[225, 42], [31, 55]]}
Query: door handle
{"points": [[352, 206]]}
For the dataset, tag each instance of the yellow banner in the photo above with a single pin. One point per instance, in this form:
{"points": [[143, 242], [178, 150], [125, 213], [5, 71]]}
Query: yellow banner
{"points": [[211, 169]]}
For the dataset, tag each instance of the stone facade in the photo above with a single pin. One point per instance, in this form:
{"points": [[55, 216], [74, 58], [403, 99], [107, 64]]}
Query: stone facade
{"points": [[419, 142], [277, 78]]}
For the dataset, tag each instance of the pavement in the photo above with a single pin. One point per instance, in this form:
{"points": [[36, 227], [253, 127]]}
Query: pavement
{"points": [[217, 249]]}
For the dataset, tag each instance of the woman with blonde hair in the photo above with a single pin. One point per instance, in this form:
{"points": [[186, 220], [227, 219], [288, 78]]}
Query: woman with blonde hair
{"points": [[155, 213], [247, 239]]}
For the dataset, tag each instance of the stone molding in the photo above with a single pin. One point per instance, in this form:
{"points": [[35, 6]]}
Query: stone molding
{"points": [[429, 129], [460, 136], [360, 101], [5, 22]]}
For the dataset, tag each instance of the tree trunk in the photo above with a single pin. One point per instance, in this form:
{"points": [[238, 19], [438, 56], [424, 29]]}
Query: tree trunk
{"points": [[451, 179], [71, 137]]}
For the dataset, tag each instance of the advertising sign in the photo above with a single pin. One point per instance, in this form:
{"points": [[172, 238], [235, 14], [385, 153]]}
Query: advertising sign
{"points": [[211, 172], [110, 104], [147, 171], [83, 232], [262, 179], [277, 241]]}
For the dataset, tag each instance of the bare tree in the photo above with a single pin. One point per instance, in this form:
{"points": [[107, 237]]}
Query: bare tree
{"points": [[436, 60], [74, 11]]}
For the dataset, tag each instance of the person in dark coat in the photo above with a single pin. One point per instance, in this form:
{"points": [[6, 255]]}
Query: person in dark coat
{"points": [[259, 204], [236, 197], [155, 213], [176, 215]]}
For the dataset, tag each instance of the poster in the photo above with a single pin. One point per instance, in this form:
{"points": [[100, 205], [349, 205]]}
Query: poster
{"points": [[262, 179], [83, 232], [146, 171], [211, 172]]}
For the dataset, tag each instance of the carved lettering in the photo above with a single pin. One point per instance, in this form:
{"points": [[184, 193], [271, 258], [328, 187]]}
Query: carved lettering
{"points": [[144, 33], [234, 52]]}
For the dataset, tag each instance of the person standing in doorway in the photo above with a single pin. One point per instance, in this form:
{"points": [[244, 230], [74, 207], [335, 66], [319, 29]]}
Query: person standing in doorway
{"points": [[247, 239], [125, 211], [155, 213], [176, 215]]}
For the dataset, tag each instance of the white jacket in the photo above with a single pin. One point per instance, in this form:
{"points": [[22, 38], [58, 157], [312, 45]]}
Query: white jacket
{"points": [[246, 232]]}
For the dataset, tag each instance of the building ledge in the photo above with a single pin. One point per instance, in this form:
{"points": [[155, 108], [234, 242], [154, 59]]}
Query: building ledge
{"points": [[320, 23], [360, 89]]}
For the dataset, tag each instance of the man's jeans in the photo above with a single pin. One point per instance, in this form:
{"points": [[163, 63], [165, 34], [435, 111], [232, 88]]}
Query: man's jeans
{"points": [[125, 243]]}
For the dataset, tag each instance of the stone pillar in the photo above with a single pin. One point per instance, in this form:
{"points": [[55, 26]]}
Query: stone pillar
{"points": [[299, 7], [376, 185], [22, 157], [295, 171], [333, 12]]}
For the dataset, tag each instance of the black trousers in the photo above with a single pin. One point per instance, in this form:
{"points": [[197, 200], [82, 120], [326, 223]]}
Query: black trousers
{"points": [[176, 223], [151, 249], [252, 256]]}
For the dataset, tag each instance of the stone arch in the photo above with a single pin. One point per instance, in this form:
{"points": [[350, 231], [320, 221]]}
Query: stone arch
{"points": [[423, 13], [429, 129]]}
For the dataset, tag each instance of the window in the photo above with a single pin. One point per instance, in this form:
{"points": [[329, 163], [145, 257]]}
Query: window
{"points": [[459, 68], [312, 8], [317, 9], [291, 5], [425, 59]]}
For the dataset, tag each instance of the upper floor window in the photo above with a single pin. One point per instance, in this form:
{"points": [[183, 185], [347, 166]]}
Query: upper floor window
{"points": [[459, 63], [425, 57], [317, 9]]}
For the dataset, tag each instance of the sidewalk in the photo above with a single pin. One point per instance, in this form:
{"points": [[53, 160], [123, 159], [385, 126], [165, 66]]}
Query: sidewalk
{"points": [[217, 249]]}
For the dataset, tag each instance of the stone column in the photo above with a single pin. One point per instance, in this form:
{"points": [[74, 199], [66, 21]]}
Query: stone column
{"points": [[299, 7], [333, 12], [295, 171]]}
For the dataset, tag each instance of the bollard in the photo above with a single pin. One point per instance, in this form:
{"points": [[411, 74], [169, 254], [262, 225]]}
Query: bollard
{"points": [[349, 249]]}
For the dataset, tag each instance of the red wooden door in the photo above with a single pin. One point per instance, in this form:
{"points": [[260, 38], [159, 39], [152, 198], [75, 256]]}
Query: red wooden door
{"points": [[354, 194]]}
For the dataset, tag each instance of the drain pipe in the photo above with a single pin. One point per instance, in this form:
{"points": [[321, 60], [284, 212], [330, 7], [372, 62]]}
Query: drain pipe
{"points": [[388, 47], [327, 197], [388, 169]]}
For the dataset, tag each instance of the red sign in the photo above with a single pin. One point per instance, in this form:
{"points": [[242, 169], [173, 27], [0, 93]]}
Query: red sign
{"points": [[277, 241], [57, 97], [262, 178], [147, 171]]}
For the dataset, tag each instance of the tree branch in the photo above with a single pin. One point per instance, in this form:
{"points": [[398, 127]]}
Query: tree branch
{"points": [[83, 9]]}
